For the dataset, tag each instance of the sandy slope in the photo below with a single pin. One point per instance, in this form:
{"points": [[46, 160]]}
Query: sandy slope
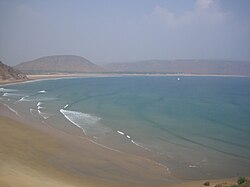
{"points": [[33, 155]]}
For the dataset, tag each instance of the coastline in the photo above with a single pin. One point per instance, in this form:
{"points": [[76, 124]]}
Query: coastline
{"points": [[37, 77], [31, 153], [63, 139]]}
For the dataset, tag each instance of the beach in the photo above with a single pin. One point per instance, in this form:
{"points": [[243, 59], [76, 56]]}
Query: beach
{"points": [[33, 152]]}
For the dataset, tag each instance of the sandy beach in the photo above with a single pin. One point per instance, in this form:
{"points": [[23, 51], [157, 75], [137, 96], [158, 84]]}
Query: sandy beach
{"points": [[31, 157], [33, 153]]}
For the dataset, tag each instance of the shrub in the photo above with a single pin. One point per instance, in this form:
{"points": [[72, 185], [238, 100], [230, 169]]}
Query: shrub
{"points": [[241, 180]]}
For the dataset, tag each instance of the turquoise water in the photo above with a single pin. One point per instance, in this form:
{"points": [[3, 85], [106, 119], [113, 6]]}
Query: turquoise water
{"points": [[197, 127]]}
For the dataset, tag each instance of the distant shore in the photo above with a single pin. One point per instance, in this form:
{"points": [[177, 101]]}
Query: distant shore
{"points": [[72, 75]]}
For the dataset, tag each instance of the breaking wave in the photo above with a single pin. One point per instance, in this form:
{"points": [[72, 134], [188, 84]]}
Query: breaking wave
{"points": [[89, 124]]}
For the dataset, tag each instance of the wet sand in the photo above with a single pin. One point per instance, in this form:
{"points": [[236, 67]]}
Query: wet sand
{"points": [[34, 154]]}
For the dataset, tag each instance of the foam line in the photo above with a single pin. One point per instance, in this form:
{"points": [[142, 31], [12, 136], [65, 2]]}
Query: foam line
{"points": [[63, 112], [22, 99], [192, 166], [7, 90], [128, 136], [137, 144], [43, 114], [39, 103], [104, 146], [159, 164], [42, 91], [12, 94], [31, 112], [11, 109], [120, 132], [66, 106]]}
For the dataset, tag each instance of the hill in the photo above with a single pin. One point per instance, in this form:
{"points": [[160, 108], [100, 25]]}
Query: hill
{"points": [[217, 67], [9, 73], [59, 63]]}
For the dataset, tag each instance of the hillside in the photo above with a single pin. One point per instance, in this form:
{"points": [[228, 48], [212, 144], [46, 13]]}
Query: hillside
{"points": [[183, 66], [59, 63], [9, 73]]}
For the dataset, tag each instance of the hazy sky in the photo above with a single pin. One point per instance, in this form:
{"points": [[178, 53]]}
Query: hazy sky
{"points": [[124, 30]]}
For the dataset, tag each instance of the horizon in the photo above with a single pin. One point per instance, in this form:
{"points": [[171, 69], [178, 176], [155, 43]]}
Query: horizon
{"points": [[117, 31]]}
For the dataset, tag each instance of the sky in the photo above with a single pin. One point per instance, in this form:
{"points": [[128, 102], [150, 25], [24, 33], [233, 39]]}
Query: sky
{"points": [[106, 31]]}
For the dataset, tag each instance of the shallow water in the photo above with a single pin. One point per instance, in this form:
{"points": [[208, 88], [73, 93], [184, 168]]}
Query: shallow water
{"points": [[198, 126]]}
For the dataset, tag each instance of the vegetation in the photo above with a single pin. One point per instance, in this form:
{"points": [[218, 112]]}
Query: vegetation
{"points": [[241, 180]]}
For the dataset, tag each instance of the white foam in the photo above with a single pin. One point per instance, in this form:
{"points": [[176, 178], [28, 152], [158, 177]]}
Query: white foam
{"points": [[120, 132], [192, 166], [39, 107], [44, 115], [36, 99], [11, 109], [12, 95], [139, 145], [31, 112], [101, 145], [67, 116], [39, 103], [128, 136], [23, 98], [88, 123], [42, 91], [162, 165], [7, 90], [65, 106]]}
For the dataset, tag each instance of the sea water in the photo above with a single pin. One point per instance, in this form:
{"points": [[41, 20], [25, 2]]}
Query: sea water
{"points": [[197, 127]]}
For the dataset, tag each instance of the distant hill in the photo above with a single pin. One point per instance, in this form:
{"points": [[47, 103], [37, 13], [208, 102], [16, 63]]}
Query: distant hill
{"points": [[59, 63], [217, 67], [9, 73]]}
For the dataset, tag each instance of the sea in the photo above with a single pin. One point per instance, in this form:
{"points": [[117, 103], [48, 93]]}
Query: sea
{"points": [[196, 127]]}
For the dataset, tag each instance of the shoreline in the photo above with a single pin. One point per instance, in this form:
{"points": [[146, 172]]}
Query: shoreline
{"points": [[26, 166], [55, 134], [38, 77], [76, 156]]}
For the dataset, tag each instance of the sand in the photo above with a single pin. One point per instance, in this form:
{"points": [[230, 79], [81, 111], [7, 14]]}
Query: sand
{"points": [[33, 154]]}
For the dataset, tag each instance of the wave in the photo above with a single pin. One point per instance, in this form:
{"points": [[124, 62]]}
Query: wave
{"points": [[89, 124], [12, 95], [39, 105], [32, 112], [120, 132], [7, 90], [67, 116], [42, 91], [65, 106], [192, 166], [11, 109], [22, 99], [139, 145], [38, 99], [132, 141], [44, 115]]}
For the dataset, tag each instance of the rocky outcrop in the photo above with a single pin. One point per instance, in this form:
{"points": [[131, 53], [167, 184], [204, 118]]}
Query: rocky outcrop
{"points": [[9, 73]]}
